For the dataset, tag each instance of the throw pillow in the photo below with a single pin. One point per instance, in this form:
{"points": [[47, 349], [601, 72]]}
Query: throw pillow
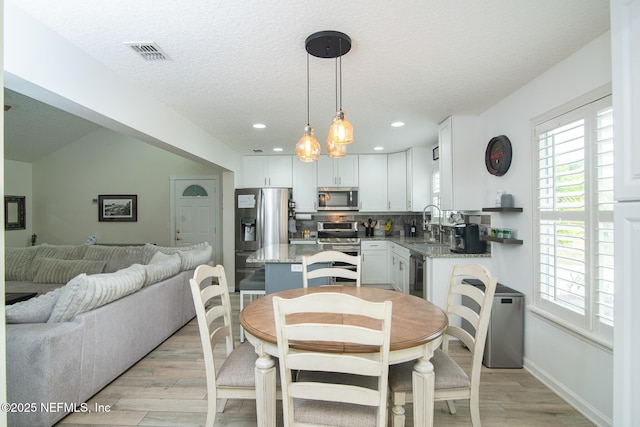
{"points": [[117, 257], [57, 252], [53, 270], [34, 310], [161, 267], [17, 262], [170, 250], [84, 293], [193, 258]]}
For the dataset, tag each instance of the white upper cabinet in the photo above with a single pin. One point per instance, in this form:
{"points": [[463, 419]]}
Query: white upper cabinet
{"points": [[373, 182], [267, 171], [342, 172], [418, 178], [305, 186], [461, 150], [397, 182], [625, 64]]}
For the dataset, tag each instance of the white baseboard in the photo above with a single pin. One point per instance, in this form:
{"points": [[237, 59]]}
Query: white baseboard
{"points": [[595, 416]]}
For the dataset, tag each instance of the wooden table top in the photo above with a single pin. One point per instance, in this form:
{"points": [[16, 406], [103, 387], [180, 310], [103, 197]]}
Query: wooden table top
{"points": [[414, 321]]}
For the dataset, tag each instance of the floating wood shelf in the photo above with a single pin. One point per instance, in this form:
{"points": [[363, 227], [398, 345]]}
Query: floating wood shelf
{"points": [[501, 209], [505, 241]]}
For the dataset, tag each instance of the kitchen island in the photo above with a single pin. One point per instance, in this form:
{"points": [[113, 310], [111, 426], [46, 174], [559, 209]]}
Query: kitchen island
{"points": [[283, 263]]}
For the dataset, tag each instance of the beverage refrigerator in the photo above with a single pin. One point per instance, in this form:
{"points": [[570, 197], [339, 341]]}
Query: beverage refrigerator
{"points": [[261, 219]]}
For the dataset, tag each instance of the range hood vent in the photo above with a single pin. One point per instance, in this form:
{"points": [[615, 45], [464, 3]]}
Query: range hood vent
{"points": [[149, 51]]}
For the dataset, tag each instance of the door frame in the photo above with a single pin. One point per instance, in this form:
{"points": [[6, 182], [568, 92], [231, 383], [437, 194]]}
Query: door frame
{"points": [[216, 244]]}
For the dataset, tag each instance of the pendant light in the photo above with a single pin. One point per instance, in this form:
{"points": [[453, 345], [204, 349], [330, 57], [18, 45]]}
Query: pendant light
{"points": [[336, 150], [308, 147], [334, 44], [340, 131]]}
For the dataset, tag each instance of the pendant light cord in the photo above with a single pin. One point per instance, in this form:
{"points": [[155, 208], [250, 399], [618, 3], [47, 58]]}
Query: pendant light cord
{"points": [[340, 45], [336, 84], [308, 121]]}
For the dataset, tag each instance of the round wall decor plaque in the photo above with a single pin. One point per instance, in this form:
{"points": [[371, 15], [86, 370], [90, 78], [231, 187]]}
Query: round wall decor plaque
{"points": [[497, 157]]}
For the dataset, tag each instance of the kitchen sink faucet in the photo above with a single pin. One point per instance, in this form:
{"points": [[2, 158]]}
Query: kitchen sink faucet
{"points": [[425, 224]]}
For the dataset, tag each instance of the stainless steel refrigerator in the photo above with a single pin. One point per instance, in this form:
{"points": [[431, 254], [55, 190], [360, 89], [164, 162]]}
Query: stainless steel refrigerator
{"points": [[261, 219]]}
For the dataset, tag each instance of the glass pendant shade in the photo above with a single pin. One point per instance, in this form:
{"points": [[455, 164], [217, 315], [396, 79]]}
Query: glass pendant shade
{"points": [[341, 131], [336, 150], [308, 147]]}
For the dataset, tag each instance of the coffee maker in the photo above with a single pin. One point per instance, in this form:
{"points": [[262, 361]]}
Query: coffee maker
{"points": [[467, 239]]}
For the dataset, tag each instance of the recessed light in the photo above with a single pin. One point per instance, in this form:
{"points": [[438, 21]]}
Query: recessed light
{"points": [[378, 148], [397, 124], [259, 126], [277, 148]]}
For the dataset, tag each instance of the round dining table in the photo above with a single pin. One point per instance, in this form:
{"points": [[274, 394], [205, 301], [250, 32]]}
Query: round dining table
{"points": [[417, 327]]}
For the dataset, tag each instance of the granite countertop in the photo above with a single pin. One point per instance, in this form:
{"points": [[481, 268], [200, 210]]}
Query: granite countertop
{"points": [[286, 253], [421, 246]]}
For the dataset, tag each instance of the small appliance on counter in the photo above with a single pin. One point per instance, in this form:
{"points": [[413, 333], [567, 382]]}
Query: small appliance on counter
{"points": [[467, 239]]}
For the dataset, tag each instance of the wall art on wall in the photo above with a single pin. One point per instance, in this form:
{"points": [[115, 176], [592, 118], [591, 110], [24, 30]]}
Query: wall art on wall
{"points": [[14, 213], [118, 208]]}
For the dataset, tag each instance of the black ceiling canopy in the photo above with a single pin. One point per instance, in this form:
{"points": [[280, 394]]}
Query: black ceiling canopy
{"points": [[328, 44]]}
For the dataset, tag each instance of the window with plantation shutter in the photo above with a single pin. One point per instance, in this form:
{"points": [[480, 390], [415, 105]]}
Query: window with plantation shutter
{"points": [[574, 218]]}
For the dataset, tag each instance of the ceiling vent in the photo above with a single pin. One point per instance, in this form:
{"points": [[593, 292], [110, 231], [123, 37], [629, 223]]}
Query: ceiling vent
{"points": [[149, 51], [257, 150]]}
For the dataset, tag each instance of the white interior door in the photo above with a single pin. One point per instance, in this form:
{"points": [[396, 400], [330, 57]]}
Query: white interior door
{"points": [[195, 213]]}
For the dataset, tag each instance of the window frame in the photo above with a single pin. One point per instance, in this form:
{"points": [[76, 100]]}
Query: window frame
{"points": [[587, 325]]}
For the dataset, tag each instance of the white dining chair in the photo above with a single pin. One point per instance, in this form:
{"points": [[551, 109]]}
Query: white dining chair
{"points": [[350, 267], [451, 381], [333, 387], [250, 288], [235, 378]]}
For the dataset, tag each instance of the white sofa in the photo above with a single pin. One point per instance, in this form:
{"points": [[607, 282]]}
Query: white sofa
{"points": [[96, 327]]}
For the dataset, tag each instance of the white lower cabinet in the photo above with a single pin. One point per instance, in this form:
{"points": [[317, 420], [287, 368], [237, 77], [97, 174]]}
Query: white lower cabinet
{"points": [[374, 262], [399, 259]]}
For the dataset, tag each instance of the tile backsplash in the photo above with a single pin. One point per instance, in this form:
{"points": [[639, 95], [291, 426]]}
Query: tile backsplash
{"points": [[398, 222]]}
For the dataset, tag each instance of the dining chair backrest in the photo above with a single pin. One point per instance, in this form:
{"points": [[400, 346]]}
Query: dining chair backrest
{"points": [[350, 267], [235, 377], [451, 381], [333, 386], [454, 307]]}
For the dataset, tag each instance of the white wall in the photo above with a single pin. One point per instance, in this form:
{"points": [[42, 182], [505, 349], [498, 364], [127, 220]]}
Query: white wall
{"points": [[17, 182], [581, 372], [105, 162], [43, 65]]}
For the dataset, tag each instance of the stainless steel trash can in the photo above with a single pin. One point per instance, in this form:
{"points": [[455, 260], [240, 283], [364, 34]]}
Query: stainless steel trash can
{"points": [[505, 337]]}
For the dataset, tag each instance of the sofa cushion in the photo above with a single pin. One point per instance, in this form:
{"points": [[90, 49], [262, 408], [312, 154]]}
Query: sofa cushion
{"points": [[193, 258], [170, 250], [34, 310], [84, 293], [117, 257], [53, 270], [57, 252], [17, 262], [161, 266]]}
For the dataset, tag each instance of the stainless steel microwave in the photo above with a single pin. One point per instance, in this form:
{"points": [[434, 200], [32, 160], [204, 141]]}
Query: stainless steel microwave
{"points": [[338, 199]]}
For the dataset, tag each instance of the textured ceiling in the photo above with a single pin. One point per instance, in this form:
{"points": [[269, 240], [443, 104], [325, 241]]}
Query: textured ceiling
{"points": [[235, 63]]}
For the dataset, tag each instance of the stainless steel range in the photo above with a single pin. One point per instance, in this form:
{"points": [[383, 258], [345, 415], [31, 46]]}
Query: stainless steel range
{"points": [[342, 235]]}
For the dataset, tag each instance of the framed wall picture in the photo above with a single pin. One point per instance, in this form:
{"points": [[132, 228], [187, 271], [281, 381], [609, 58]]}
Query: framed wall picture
{"points": [[14, 213], [118, 208]]}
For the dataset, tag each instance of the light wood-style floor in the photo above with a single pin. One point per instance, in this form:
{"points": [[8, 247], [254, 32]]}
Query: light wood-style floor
{"points": [[167, 388]]}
